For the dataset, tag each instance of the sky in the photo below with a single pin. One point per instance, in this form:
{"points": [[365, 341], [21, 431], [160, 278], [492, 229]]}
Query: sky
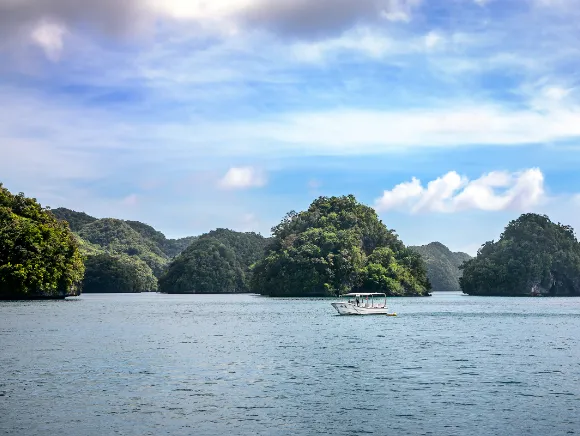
{"points": [[449, 117]]}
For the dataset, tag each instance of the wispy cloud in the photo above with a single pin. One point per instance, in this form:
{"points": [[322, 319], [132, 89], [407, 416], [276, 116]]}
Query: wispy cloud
{"points": [[337, 132]]}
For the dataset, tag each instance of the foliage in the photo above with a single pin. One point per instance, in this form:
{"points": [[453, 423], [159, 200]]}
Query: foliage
{"points": [[39, 256], [247, 246], [75, 220], [117, 237], [174, 247], [148, 232], [533, 256], [171, 247], [442, 265], [216, 262], [338, 245], [118, 273], [112, 244]]}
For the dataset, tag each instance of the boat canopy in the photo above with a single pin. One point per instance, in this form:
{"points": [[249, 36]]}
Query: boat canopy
{"points": [[364, 294]]}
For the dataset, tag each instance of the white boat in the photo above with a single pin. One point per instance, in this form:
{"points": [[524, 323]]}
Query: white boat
{"points": [[363, 303]]}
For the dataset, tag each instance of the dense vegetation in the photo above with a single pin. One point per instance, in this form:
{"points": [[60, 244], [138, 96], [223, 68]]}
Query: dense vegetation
{"points": [[533, 256], [76, 220], [171, 247], [338, 245], [118, 273], [216, 262], [117, 237], [442, 265], [39, 256], [121, 256]]}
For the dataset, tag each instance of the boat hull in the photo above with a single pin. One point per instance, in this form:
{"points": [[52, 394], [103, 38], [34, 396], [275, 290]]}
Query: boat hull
{"points": [[352, 309]]}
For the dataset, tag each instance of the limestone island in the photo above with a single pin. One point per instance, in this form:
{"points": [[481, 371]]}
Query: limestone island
{"points": [[39, 255], [533, 257]]}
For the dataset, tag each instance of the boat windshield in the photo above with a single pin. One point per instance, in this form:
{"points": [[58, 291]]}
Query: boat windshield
{"points": [[367, 299]]}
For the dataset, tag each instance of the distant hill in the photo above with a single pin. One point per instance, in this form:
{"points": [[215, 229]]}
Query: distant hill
{"points": [[76, 220], [117, 237], [122, 256], [171, 247], [442, 265], [217, 262]]}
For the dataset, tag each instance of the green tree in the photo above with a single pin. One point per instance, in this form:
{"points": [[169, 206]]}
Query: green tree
{"points": [[39, 256]]}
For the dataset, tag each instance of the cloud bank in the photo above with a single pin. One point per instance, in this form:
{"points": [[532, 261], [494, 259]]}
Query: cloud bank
{"points": [[294, 18], [495, 191]]}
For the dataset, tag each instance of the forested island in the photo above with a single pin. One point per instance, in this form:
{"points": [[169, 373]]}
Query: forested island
{"points": [[217, 262], [39, 255], [336, 246], [121, 256], [533, 256]]}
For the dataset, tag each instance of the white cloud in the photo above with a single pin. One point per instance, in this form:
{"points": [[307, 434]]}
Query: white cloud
{"points": [[242, 178], [400, 10], [556, 93], [49, 36], [362, 40], [201, 9], [450, 193], [368, 41], [432, 40], [400, 195]]}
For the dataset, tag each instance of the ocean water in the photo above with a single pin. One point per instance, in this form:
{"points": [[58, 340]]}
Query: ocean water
{"points": [[151, 364]]}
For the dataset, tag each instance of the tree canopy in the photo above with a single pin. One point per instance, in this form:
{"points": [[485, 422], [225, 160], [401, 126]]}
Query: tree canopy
{"points": [[532, 256], [39, 256], [442, 265], [216, 262], [76, 220], [170, 247], [338, 245], [117, 237], [106, 273], [122, 256]]}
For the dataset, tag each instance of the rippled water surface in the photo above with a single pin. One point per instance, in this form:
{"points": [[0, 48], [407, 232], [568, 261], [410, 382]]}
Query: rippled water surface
{"points": [[153, 364]]}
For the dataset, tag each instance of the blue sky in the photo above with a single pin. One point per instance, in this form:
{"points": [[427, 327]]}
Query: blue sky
{"points": [[449, 117]]}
